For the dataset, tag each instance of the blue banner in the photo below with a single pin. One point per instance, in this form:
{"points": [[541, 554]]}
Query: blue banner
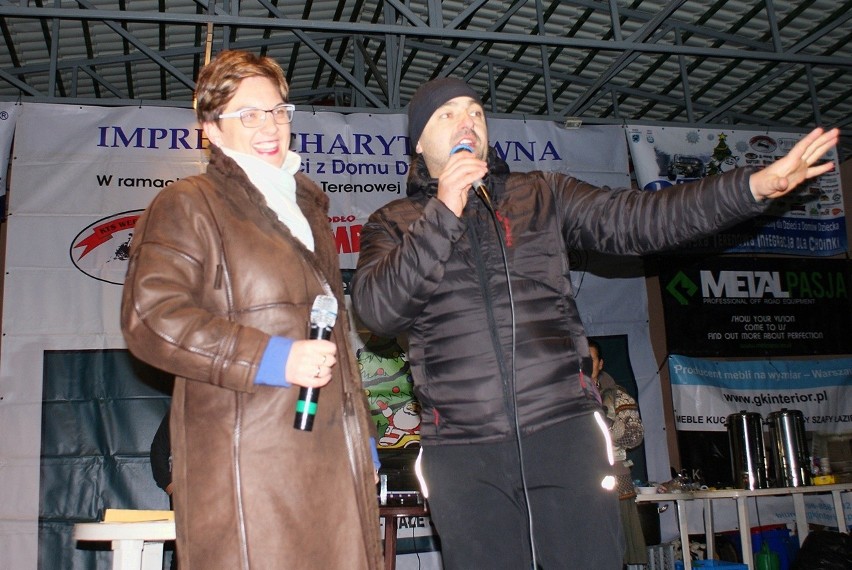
{"points": [[706, 392]]}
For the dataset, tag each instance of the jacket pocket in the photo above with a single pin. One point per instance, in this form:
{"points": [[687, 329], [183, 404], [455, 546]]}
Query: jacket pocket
{"points": [[535, 257]]}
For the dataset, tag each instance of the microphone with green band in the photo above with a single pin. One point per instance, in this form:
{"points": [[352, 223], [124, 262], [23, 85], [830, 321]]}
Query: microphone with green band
{"points": [[323, 317]]}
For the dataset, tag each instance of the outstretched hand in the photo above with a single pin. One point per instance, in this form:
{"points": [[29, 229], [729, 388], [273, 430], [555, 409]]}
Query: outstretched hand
{"points": [[786, 173]]}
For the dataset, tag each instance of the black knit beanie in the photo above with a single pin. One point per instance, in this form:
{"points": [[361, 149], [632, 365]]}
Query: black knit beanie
{"points": [[428, 98]]}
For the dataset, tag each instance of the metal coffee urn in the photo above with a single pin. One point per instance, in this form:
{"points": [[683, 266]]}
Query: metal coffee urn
{"points": [[790, 458], [748, 455]]}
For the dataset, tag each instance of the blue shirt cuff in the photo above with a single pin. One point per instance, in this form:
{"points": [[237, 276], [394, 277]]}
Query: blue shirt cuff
{"points": [[376, 463], [274, 361]]}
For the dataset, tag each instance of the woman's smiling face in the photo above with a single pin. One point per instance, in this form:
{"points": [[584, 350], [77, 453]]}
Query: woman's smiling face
{"points": [[270, 141]]}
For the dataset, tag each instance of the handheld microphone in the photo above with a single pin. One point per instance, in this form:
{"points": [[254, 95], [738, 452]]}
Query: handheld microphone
{"points": [[323, 317], [478, 185]]}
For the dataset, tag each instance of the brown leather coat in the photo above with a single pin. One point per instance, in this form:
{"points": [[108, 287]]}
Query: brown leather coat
{"points": [[212, 275]]}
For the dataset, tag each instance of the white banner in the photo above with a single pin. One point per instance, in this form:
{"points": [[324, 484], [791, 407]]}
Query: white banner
{"points": [[8, 117], [810, 221], [82, 175], [706, 392], [361, 161], [74, 170]]}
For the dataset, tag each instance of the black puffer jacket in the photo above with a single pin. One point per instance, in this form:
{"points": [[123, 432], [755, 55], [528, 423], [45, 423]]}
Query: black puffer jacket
{"points": [[442, 280]]}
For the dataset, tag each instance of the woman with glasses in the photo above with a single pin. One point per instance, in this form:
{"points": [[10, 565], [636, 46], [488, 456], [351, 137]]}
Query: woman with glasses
{"points": [[224, 273]]}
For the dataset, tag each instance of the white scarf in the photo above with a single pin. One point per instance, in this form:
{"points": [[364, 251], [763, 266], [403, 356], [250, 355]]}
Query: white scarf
{"points": [[278, 186]]}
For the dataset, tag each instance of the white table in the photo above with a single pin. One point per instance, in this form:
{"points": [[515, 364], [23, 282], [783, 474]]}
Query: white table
{"points": [[740, 496], [135, 545]]}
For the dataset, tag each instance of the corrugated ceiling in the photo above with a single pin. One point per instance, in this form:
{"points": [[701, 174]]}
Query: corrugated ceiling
{"points": [[776, 64]]}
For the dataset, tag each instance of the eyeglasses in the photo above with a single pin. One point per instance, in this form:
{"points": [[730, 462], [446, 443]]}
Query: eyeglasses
{"points": [[253, 118]]}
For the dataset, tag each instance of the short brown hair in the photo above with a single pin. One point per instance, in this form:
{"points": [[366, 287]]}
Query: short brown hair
{"points": [[220, 79]]}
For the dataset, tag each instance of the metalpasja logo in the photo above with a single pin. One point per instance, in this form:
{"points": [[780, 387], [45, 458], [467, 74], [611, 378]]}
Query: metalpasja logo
{"points": [[759, 287], [102, 249]]}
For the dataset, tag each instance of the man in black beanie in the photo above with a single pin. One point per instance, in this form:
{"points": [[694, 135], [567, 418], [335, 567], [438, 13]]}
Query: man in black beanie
{"points": [[514, 444]]}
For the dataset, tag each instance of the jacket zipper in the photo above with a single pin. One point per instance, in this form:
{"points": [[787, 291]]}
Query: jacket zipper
{"points": [[492, 322]]}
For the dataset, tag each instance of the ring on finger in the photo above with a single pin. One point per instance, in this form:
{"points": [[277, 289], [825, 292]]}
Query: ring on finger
{"points": [[318, 372], [324, 358]]}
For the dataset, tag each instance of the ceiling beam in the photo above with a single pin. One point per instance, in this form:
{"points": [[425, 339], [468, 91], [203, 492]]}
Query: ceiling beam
{"points": [[302, 26]]}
